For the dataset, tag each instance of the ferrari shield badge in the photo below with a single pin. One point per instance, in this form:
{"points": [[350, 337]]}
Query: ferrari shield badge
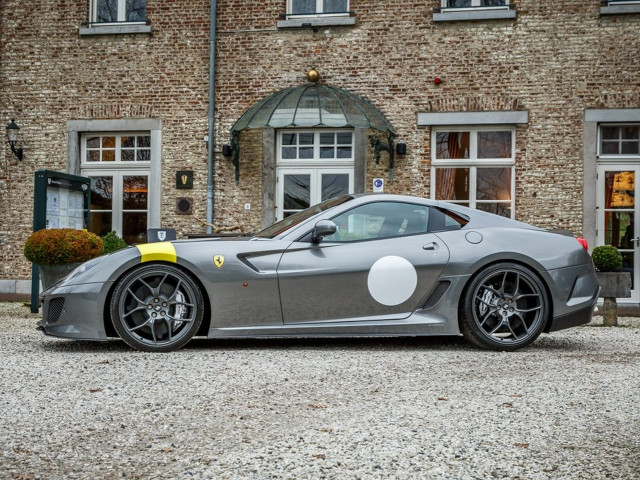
{"points": [[218, 260]]}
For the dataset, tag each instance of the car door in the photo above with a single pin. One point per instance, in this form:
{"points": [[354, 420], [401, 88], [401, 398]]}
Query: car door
{"points": [[381, 262]]}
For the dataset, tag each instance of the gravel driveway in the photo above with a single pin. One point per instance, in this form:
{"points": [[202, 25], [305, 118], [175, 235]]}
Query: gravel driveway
{"points": [[566, 408]]}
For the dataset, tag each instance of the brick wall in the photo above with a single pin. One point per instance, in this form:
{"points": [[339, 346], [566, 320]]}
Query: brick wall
{"points": [[555, 60]]}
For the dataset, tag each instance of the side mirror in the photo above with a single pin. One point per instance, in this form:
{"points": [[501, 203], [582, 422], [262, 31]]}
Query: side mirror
{"points": [[323, 229]]}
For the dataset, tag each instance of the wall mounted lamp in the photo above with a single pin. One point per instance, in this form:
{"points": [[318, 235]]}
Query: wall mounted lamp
{"points": [[12, 138], [226, 150], [401, 148]]}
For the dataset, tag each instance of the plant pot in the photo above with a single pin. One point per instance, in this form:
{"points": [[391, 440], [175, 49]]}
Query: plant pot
{"points": [[614, 284], [52, 274]]}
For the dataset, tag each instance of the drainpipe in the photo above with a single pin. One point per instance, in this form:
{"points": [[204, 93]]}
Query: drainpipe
{"points": [[212, 101]]}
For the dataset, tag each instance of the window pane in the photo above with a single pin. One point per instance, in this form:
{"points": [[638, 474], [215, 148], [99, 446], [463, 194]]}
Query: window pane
{"points": [[630, 148], [297, 192], [305, 152], [128, 142], [93, 156], [93, 142], [143, 141], [618, 229], [452, 184], [502, 209], [134, 227], [107, 10], [610, 133], [492, 3], [101, 223], [108, 142], [344, 152], [288, 139], [619, 189], [327, 152], [452, 145], [135, 192], [609, 148], [493, 184], [335, 6], [289, 152], [459, 3], [108, 155], [144, 155], [306, 138], [127, 156], [494, 144], [344, 138], [630, 133], [334, 184], [136, 10], [101, 193], [303, 6], [327, 138]]}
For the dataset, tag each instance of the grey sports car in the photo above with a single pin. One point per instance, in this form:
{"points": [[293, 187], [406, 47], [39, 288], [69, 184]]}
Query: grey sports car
{"points": [[355, 265]]}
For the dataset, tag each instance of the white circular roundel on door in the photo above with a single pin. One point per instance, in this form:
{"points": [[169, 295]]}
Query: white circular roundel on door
{"points": [[392, 280]]}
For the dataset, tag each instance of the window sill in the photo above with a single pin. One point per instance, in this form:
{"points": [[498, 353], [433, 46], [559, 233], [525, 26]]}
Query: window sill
{"points": [[613, 9], [475, 14], [316, 22], [114, 29]]}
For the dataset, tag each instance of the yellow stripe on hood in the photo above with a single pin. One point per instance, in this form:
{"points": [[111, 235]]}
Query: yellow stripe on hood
{"points": [[158, 251]]}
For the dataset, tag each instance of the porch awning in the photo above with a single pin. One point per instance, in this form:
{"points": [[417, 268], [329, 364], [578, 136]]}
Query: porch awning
{"points": [[313, 105], [308, 106]]}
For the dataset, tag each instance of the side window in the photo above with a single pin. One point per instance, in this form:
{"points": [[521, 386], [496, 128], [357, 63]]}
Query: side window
{"points": [[441, 220], [380, 220]]}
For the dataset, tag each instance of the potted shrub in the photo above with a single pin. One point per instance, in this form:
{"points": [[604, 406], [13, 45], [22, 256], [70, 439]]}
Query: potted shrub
{"points": [[613, 283], [57, 251]]}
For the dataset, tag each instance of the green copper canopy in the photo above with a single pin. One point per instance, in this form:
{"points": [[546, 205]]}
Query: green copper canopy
{"points": [[308, 106], [313, 105]]}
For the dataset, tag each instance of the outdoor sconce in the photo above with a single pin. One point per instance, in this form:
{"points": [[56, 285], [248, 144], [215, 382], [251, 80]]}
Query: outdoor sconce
{"points": [[401, 148], [12, 137], [226, 150]]}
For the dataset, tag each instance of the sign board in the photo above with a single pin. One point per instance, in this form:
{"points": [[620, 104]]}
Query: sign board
{"points": [[160, 234], [378, 185], [60, 200]]}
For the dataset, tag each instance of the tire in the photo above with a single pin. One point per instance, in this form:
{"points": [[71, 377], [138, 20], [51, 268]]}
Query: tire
{"points": [[505, 307], [156, 308]]}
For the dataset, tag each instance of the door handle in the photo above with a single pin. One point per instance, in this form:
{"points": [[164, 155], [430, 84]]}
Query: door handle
{"points": [[431, 246]]}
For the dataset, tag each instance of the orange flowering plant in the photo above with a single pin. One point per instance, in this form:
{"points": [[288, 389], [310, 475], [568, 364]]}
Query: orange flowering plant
{"points": [[56, 246]]}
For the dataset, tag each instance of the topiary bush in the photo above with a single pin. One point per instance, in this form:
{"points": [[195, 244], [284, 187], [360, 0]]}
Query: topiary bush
{"points": [[606, 258], [112, 243], [56, 246]]}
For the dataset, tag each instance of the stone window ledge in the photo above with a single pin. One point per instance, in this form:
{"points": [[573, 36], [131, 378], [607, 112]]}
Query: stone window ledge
{"points": [[316, 22], [619, 8], [121, 29], [450, 15]]}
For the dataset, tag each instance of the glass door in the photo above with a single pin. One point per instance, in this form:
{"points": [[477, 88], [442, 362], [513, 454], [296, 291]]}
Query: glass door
{"points": [[617, 210], [300, 188]]}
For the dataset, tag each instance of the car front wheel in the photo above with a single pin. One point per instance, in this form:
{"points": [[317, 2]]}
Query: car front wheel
{"points": [[505, 307], [156, 308]]}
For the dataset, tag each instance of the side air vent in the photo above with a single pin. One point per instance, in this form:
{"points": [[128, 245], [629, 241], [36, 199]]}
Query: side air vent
{"points": [[55, 309], [436, 294]]}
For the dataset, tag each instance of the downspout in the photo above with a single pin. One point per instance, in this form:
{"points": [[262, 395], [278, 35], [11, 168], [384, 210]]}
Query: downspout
{"points": [[212, 102]]}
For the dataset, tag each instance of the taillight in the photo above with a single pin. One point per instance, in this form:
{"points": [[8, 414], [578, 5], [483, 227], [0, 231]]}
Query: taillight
{"points": [[583, 242]]}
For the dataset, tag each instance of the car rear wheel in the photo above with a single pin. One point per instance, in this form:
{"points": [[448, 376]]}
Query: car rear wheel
{"points": [[156, 308], [505, 307]]}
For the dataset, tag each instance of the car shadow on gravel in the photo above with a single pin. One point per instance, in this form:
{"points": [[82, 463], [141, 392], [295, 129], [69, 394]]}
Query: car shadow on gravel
{"points": [[544, 343]]}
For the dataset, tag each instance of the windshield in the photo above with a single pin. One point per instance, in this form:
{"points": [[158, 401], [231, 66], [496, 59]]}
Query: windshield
{"points": [[298, 217]]}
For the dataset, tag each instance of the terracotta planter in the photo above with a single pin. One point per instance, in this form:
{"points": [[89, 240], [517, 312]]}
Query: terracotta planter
{"points": [[52, 274]]}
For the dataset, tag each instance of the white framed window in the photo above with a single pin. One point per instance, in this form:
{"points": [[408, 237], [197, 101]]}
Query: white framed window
{"points": [[474, 4], [619, 140], [312, 166], [474, 167], [312, 8], [119, 165], [118, 11]]}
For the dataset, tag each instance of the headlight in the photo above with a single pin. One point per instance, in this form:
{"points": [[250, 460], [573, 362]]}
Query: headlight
{"points": [[81, 269]]}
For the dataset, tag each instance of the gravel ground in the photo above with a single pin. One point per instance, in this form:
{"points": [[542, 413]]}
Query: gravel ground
{"points": [[566, 408]]}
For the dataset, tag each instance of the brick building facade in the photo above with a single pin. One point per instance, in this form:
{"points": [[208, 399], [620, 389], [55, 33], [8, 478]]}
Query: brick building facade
{"points": [[532, 85]]}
